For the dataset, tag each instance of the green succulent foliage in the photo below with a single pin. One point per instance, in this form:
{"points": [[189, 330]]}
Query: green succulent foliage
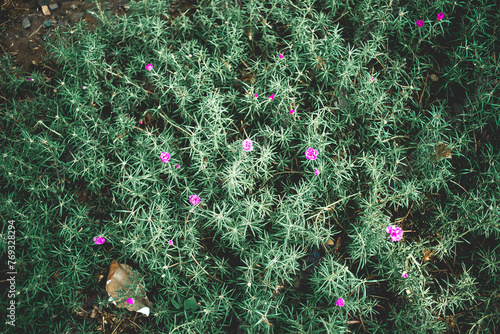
{"points": [[405, 120]]}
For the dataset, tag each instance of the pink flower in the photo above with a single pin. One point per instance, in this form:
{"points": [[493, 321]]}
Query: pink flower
{"points": [[170, 242], [340, 302], [420, 23], [371, 80], [316, 172], [395, 231], [149, 67], [130, 301], [396, 237], [281, 56], [177, 166], [311, 153], [99, 240], [255, 95], [31, 79], [272, 97], [247, 144], [194, 199], [405, 274], [292, 111], [165, 157], [140, 122], [440, 16], [83, 87]]}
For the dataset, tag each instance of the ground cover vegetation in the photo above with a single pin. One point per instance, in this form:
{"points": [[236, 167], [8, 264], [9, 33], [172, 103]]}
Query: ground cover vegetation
{"points": [[269, 166]]}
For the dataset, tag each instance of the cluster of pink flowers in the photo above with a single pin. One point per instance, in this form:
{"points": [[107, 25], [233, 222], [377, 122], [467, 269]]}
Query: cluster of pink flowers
{"points": [[439, 17], [310, 153], [149, 67], [395, 231], [165, 157], [99, 240]]}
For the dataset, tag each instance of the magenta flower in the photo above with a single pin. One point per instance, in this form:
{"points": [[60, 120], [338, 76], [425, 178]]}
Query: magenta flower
{"points": [[405, 274], [130, 301], [31, 79], [316, 172], [420, 23], [83, 87], [281, 56], [311, 153], [292, 111], [165, 157], [247, 144], [340, 302], [440, 16], [177, 166], [149, 67], [371, 80], [99, 240], [255, 95], [395, 231], [140, 122], [396, 237], [170, 242], [194, 199], [272, 97]]}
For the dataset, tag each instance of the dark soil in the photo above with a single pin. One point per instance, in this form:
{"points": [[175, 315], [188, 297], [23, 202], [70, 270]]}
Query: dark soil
{"points": [[27, 45]]}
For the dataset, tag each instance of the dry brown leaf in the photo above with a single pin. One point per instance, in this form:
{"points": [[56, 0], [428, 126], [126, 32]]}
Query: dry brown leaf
{"points": [[427, 255], [120, 285], [339, 241], [442, 151]]}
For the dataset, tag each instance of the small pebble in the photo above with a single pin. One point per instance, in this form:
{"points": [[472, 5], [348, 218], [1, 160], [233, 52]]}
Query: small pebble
{"points": [[26, 23], [76, 17], [45, 10], [48, 23], [53, 6]]}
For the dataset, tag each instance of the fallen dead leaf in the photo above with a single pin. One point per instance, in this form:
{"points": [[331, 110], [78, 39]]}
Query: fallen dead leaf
{"points": [[427, 255], [442, 151]]}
